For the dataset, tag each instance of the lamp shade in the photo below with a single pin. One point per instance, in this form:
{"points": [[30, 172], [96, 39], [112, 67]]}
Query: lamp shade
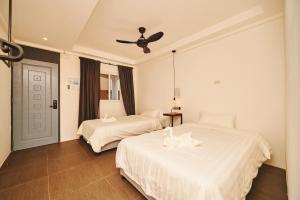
{"points": [[173, 103], [176, 104]]}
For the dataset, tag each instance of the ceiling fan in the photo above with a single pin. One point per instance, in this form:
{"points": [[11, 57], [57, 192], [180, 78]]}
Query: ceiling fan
{"points": [[142, 41]]}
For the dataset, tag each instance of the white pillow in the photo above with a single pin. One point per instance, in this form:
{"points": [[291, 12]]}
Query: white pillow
{"points": [[152, 113], [221, 120]]}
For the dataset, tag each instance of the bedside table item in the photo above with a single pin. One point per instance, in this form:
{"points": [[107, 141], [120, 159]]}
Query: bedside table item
{"points": [[172, 115]]}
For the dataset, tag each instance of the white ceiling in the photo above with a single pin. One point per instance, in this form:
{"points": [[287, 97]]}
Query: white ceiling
{"points": [[61, 21], [92, 26]]}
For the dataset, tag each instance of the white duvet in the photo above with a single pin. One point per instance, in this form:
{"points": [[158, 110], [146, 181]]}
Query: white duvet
{"points": [[222, 168], [99, 133]]}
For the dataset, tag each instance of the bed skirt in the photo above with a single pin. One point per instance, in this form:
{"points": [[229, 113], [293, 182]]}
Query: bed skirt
{"points": [[108, 146], [122, 173]]}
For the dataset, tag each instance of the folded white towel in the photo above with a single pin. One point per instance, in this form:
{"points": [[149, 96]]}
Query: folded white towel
{"points": [[183, 140], [169, 131], [110, 119]]}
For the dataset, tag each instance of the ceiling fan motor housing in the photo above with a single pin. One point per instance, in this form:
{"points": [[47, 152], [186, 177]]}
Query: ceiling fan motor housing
{"points": [[142, 42], [142, 30]]}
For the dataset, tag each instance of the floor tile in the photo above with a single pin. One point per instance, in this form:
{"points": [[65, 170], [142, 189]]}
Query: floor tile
{"points": [[100, 190], [64, 149], [18, 176], [20, 159], [105, 167], [33, 190], [123, 187], [65, 162], [69, 180]]}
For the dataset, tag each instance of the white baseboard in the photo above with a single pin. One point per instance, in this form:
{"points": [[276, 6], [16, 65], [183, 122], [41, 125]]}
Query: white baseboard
{"points": [[69, 137]]}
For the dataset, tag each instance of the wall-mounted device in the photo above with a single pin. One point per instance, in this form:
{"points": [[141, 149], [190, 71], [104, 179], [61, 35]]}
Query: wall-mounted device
{"points": [[7, 46]]}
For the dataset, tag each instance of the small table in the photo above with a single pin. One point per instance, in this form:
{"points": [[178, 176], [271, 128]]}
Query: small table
{"points": [[172, 115]]}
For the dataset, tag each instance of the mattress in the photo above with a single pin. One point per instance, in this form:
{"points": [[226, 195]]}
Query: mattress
{"points": [[222, 168], [98, 133]]}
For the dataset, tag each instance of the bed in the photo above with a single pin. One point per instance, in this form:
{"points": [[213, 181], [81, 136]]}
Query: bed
{"points": [[221, 168], [106, 135]]}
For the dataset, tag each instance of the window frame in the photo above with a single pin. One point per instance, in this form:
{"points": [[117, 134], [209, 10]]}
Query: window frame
{"points": [[110, 88]]}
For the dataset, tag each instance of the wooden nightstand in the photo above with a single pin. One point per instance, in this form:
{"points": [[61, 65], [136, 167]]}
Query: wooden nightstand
{"points": [[172, 115]]}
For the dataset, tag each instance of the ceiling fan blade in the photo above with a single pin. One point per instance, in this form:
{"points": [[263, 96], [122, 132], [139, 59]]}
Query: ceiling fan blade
{"points": [[155, 37], [146, 50], [125, 42]]}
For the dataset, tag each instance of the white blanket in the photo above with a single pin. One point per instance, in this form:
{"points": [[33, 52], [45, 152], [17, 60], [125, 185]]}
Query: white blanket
{"points": [[222, 168], [99, 133]]}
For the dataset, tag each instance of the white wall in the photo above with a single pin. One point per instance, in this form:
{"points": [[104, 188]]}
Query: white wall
{"points": [[69, 98], [5, 128], [243, 73], [292, 22]]}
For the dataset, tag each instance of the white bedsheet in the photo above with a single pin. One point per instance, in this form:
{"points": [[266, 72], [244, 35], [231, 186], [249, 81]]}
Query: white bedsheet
{"points": [[99, 133], [222, 168]]}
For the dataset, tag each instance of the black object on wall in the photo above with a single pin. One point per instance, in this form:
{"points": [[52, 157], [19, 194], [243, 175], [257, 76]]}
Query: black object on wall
{"points": [[127, 89], [8, 46], [41, 55], [89, 89]]}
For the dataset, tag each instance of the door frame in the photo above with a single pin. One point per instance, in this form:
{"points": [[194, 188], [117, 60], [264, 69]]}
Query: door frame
{"points": [[42, 55]]}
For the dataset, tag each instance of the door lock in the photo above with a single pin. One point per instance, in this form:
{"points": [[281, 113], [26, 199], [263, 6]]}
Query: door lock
{"points": [[54, 106]]}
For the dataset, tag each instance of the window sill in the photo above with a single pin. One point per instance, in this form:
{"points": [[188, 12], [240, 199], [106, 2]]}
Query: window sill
{"points": [[110, 101]]}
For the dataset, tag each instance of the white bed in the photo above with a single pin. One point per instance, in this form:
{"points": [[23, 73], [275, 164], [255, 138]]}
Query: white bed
{"points": [[222, 168], [106, 135]]}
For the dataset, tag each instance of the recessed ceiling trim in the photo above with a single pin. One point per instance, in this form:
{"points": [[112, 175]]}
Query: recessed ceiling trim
{"points": [[227, 23], [235, 31], [102, 54], [218, 37]]}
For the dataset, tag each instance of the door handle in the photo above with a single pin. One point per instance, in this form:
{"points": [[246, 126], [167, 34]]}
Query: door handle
{"points": [[54, 104]]}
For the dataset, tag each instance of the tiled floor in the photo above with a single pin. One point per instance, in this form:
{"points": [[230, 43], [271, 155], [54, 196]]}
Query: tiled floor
{"points": [[71, 170]]}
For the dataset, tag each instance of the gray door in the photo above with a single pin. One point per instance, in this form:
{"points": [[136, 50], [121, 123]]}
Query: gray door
{"points": [[35, 104]]}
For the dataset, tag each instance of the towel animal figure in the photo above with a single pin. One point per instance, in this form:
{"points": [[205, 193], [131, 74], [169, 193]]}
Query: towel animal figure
{"points": [[183, 140], [108, 119]]}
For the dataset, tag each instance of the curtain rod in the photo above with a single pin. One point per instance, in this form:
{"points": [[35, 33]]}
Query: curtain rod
{"points": [[107, 63]]}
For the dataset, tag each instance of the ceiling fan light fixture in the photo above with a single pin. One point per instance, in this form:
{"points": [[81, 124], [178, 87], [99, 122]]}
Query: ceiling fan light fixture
{"points": [[146, 50]]}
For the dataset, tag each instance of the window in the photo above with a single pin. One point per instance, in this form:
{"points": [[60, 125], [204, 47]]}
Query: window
{"points": [[104, 86], [109, 87]]}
